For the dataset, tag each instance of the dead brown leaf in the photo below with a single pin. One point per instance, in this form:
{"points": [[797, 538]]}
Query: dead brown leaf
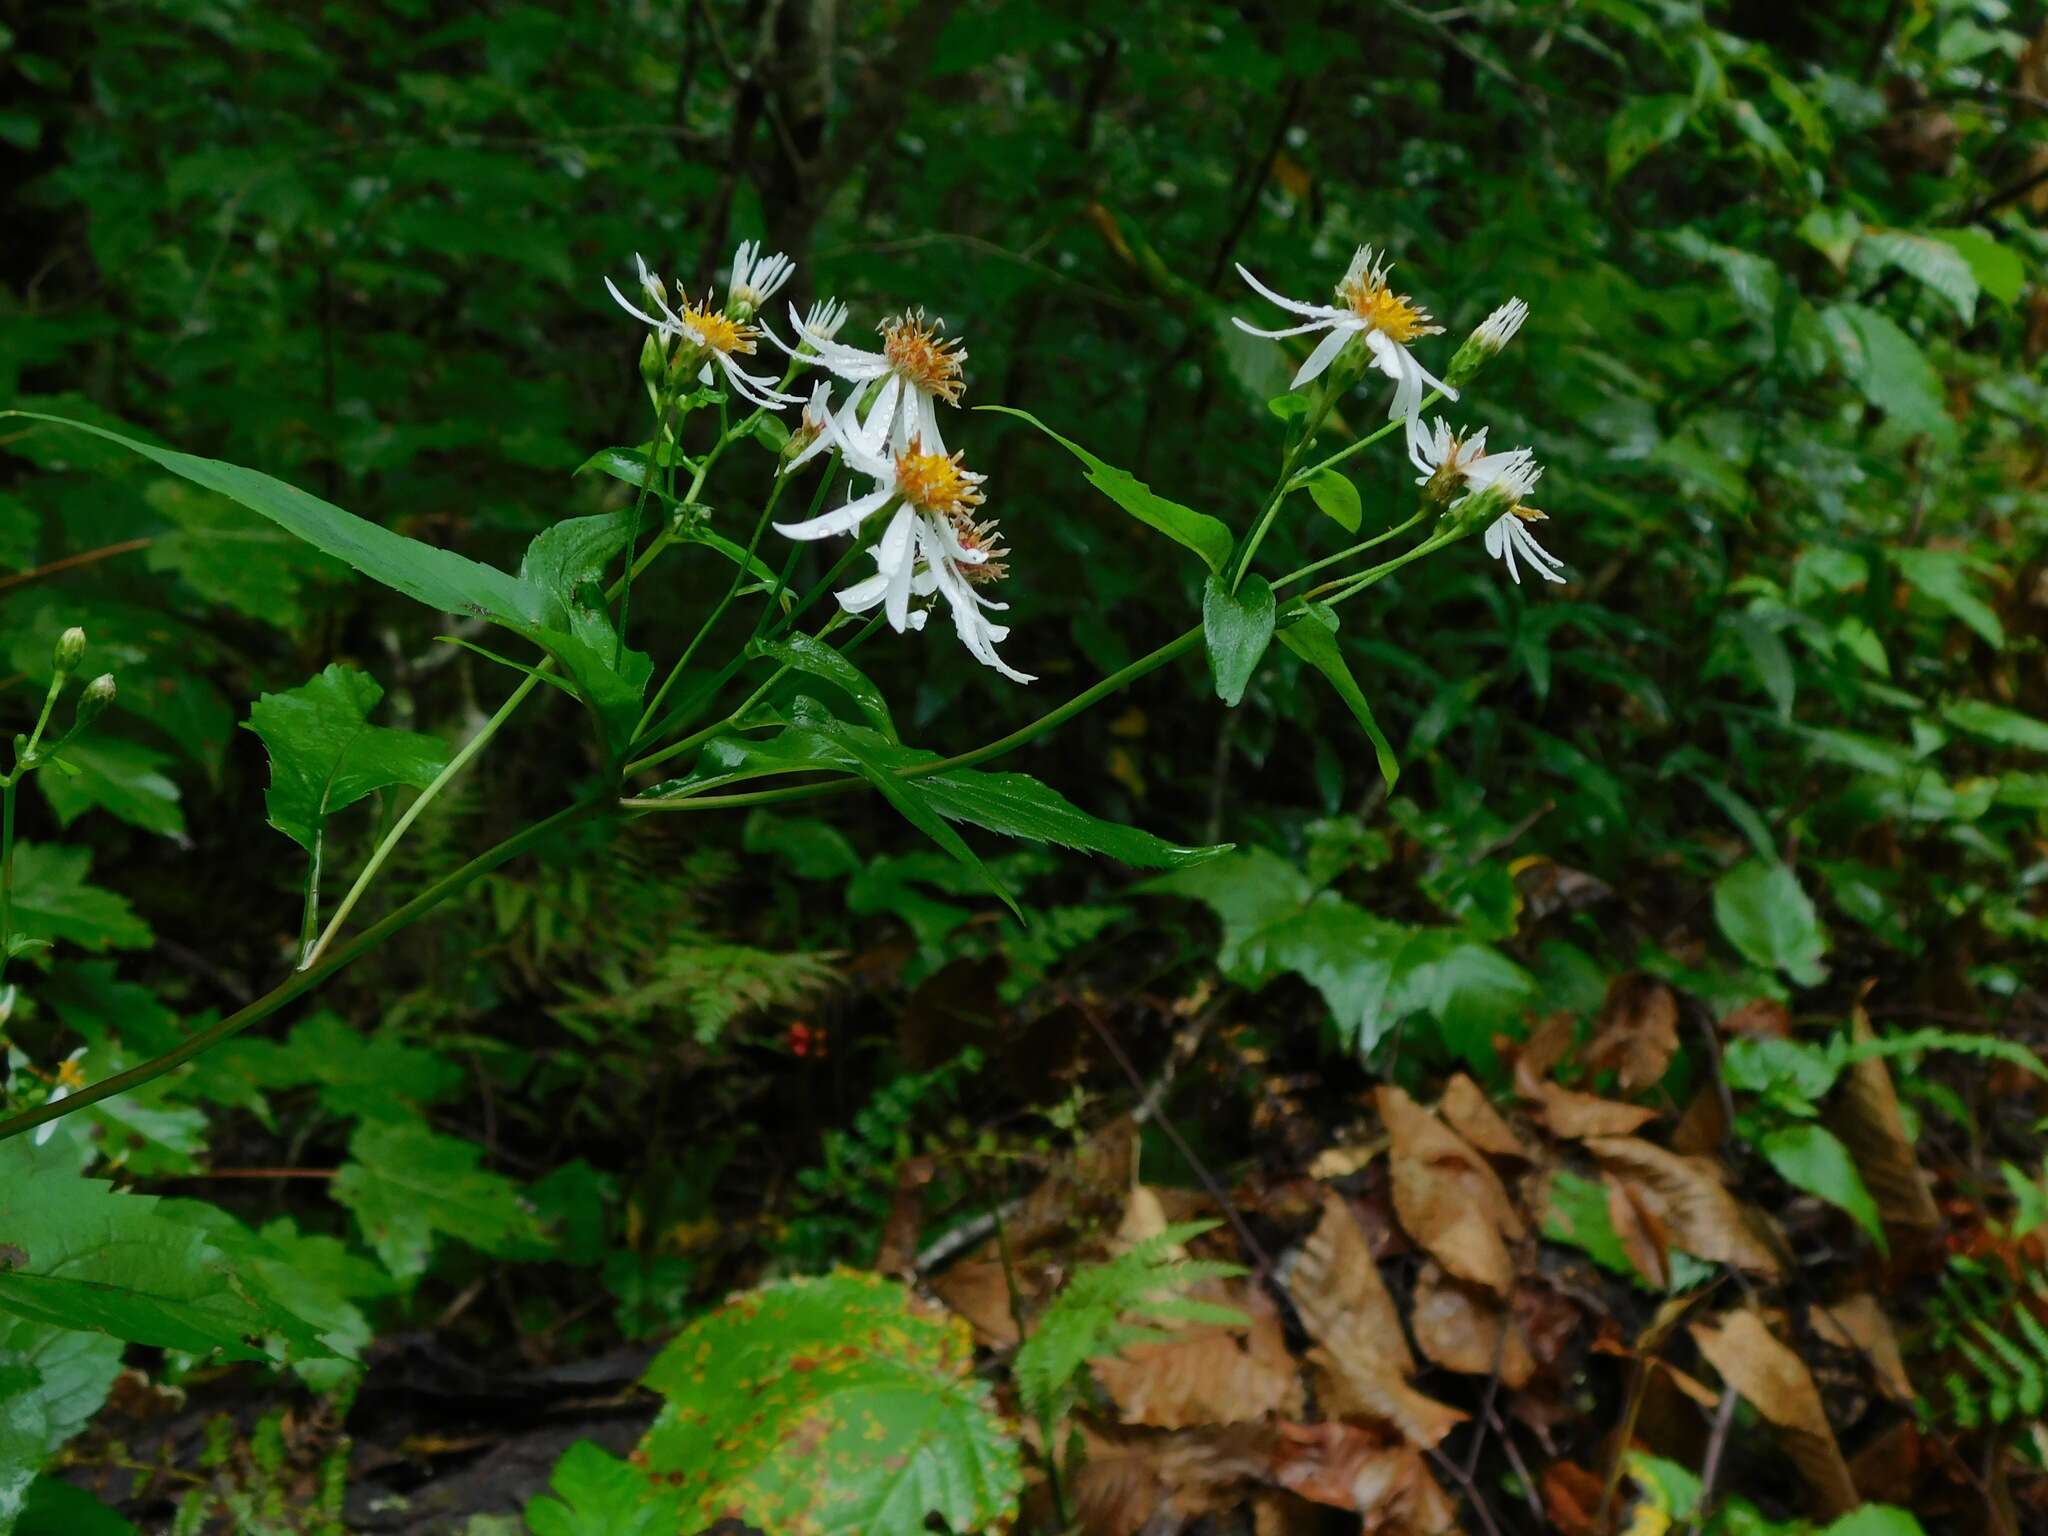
{"points": [[1642, 1234], [1866, 1116], [1764, 1018], [1860, 1326], [1636, 1033], [1466, 1329], [1448, 1197], [1574, 1116], [1776, 1382], [1467, 1111], [1134, 1480], [1344, 1305], [1571, 1497], [1689, 1199], [1542, 1051], [979, 1291], [1347, 1467], [1206, 1374]]}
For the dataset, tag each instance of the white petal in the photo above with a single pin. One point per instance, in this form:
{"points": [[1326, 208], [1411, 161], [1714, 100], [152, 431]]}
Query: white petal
{"points": [[863, 594], [1325, 353], [842, 520], [1322, 310], [1292, 330], [896, 554], [638, 314], [880, 416], [927, 421]]}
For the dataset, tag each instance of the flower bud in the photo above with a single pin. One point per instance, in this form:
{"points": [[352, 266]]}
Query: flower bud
{"points": [[70, 649], [1491, 336], [92, 703], [653, 361]]}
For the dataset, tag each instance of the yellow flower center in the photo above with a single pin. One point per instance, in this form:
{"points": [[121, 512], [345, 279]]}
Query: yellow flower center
{"points": [[936, 482], [1393, 314], [70, 1074], [922, 357], [720, 332], [987, 539]]}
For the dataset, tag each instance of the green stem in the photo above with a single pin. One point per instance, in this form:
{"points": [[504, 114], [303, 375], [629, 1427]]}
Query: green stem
{"points": [[1361, 445], [1345, 554], [717, 613], [1350, 586], [382, 852], [1115, 682], [663, 417], [1283, 483], [301, 981], [7, 789]]}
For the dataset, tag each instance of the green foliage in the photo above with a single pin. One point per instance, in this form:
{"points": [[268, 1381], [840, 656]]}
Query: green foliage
{"points": [[1771, 921], [1089, 1315], [325, 755], [835, 1400], [409, 1186], [1987, 1322], [593, 1494], [1237, 626]]}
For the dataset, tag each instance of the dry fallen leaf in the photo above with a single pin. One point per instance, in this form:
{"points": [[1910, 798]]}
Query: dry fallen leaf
{"points": [[1571, 1497], [1206, 1374], [1447, 1196], [1542, 1051], [1346, 1467], [1764, 1018], [1344, 1305], [1776, 1382], [1343, 1160], [1860, 1326], [1642, 1235], [1636, 1033], [1567, 1113], [1466, 1329], [1134, 1480], [1467, 1111], [979, 1290], [1866, 1117], [1689, 1200]]}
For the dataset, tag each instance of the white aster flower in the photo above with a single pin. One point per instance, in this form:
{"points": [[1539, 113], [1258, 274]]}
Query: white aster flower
{"points": [[712, 332], [1449, 462], [1366, 307], [813, 434], [70, 1075], [896, 390], [931, 543], [756, 278], [1498, 328]]}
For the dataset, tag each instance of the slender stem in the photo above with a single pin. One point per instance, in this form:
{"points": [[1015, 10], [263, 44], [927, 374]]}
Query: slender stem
{"points": [[1361, 445], [1114, 683], [1338, 591], [1283, 483], [711, 620], [7, 789], [309, 921], [664, 416], [1345, 554], [302, 981]]}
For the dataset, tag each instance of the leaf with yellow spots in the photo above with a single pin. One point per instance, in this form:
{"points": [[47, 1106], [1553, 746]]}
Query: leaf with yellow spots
{"points": [[837, 1406]]}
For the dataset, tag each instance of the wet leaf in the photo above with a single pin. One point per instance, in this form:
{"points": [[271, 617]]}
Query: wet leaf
{"points": [[1448, 1198], [1690, 1199], [1776, 1382]]}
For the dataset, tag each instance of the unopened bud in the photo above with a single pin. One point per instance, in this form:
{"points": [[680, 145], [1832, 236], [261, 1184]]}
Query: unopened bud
{"points": [[653, 360], [1490, 337], [92, 703], [70, 649]]}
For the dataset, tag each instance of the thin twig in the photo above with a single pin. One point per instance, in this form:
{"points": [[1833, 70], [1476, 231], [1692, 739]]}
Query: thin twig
{"points": [[72, 562], [1717, 1442]]}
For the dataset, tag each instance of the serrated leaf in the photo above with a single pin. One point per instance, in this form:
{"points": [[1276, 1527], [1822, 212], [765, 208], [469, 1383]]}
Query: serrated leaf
{"points": [[1810, 1157], [52, 901], [1771, 922], [1888, 366], [1237, 627], [834, 1404], [597, 1495], [1314, 640], [89, 1258], [1997, 268], [1337, 497], [409, 1186], [807, 653], [1934, 263], [325, 755], [1207, 536], [120, 777]]}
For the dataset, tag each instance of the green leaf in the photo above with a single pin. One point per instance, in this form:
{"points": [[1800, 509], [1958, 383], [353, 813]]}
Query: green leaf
{"points": [[1833, 232], [78, 1255], [1937, 264], [1809, 1157], [1944, 577], [1997, 268], [230, 556], [807, 653], [75, 1370], [1338, 498], [1289, 406], [1889, 368], [1770, 662], [325, 755], [1207, 536], [2007, 727], [565, 614], [1771, 921], [1875, 1520], [440, 578], [1645, 124], [24, 1438], [1314, 640], [56, 1508], [1237, 627], [833, 1404], [121, 777], [53, 902], [1017, 805], [408, 1186], [1575, 1213], [598, 1495]]}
